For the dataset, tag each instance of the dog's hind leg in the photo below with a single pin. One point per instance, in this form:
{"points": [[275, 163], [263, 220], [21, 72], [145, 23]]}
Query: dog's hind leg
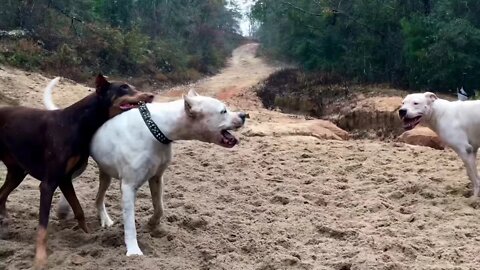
{"points": [[476, 184], [67, 189], [128, 201], [105, 181], [468, 154], [156, 185], [15, 176]]}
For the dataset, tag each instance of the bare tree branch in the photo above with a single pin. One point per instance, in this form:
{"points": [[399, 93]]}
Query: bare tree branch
{"points": [[301, 9], [335, 12], [73, 18]]}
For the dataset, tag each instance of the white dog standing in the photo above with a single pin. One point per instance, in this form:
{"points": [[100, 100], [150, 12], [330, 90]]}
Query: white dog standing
{"points": [[126, 149], [456, 122]]}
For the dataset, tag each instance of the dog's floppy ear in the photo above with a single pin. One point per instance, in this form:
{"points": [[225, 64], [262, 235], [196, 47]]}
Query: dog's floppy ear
{"points": [[188, 106], [101, 84], [192, 93], [431, 97]]}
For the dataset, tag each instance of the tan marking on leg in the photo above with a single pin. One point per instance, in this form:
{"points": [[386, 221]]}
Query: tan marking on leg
{"points": [[71, 163], [41, 249]]}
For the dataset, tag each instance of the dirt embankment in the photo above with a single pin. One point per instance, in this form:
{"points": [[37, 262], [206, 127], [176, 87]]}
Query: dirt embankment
{"points": [[285, 199], [26, 88], [363, 111], [294, 91], [374, 117]]}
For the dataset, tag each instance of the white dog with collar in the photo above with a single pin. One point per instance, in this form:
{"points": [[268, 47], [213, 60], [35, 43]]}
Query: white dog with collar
{"points": [[456, 122], [126, 149]]}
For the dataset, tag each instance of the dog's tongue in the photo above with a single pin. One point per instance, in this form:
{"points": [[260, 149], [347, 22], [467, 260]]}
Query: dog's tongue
{"points": [[227, 135], [407, 127], [228, 139], [410, 123], [127, 106]]}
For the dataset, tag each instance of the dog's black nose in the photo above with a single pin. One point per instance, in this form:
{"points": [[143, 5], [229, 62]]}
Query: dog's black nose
{"points": [[243, 116], [402, 112]]}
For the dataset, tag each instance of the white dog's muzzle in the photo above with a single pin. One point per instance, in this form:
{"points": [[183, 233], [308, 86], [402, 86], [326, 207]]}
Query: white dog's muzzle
{"points": [[228, 140], [409, 122]]}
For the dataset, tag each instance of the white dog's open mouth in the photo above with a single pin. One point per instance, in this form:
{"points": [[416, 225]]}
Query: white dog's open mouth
{"points": [[228, 140], [410, 123]]}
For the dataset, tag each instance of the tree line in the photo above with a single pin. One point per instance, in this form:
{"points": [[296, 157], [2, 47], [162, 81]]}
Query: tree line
{"points": [[166, 39], [416, 44]]}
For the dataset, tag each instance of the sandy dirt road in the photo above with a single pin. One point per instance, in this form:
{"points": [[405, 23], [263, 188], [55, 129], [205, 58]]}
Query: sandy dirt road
{"points": [[279, 200]]}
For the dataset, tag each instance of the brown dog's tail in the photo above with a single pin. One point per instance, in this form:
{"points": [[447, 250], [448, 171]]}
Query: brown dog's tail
{"points": [[47, 95]]}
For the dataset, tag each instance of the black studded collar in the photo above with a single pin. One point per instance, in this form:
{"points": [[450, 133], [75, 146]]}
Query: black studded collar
{"points": [[147, 118]]}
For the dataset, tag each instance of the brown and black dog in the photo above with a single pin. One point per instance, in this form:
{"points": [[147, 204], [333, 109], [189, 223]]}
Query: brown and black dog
{"points": [[52, 145]]}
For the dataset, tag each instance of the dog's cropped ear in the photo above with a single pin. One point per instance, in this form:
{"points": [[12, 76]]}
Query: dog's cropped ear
{"points": [[431, 97], [101, 84], [188, 106], [192, 93]]}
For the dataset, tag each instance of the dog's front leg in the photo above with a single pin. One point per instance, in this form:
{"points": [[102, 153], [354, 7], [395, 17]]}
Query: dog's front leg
{"points": [[47, 188], [156, 189], [128, 201]]}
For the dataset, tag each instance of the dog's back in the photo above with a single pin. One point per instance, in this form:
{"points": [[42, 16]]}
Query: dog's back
{"points": [[113, 151], [23, 137]]}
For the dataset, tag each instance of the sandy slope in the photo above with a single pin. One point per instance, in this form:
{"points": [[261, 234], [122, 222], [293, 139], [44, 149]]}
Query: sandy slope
{"points": [[273, 202]]}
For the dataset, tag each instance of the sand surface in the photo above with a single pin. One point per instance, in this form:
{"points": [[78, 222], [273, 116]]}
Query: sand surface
{"points": [[277, 201]]}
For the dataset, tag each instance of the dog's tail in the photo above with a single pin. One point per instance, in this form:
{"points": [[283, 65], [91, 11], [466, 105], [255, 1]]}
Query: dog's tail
{"points": [[47, 95]]}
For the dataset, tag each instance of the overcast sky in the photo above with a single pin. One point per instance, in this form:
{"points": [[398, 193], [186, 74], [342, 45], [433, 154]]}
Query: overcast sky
{"points": [[245, 7]]}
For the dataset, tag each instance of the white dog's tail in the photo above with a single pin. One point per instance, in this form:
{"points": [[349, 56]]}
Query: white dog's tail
{"points": [[47, 95]]}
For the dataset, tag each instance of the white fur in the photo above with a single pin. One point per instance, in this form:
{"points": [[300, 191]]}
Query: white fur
{"points": [[456, 122], [124, 148], [47, 94]]}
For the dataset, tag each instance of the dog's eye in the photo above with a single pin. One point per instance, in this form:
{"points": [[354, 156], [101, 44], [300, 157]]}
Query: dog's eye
{"points": [[223, 111], [125, 88], [415, 103]]}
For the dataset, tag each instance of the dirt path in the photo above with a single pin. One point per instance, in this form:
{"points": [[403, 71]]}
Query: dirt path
{"points": [[243, 70], [277, 201]]}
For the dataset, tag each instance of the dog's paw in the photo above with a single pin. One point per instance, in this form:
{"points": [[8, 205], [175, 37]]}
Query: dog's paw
{"points": [[153, 222], [106, 222], [40, 263], [83, 225], [135, 252], [159, 232], [474, 202]]}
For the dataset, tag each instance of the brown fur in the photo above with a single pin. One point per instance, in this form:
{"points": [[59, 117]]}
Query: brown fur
{"points": [[71, 163], [52, 145]]}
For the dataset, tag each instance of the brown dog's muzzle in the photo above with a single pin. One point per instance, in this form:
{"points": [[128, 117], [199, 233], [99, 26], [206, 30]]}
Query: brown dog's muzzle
{"points": [[145, 97], [127, 102]]}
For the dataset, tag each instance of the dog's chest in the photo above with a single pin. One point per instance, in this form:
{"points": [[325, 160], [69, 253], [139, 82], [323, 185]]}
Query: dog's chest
{"points": [[163, 155]]}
